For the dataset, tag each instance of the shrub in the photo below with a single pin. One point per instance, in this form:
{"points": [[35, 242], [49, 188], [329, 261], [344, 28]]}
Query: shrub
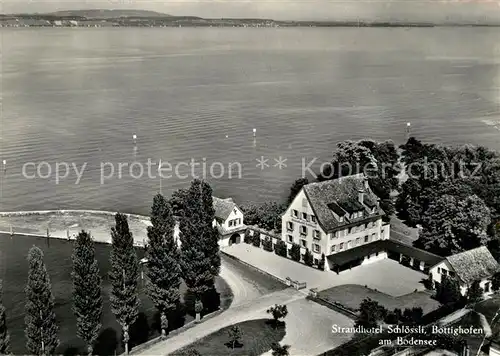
{"points": [[308, 258], [256, 239], [248, 238], [295, 252], [280, 248], [268, 244], [321, 263]]}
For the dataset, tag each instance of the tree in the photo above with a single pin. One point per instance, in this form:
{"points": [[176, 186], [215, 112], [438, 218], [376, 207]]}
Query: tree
{"points": [[124, 276], [494, 246], [278, 311], [234, 334], [266, 215], [451, 225], [248, 237], [295, 252], [495, 282], [280, 350], [256, 239], [370, 313], [177, 201], [40, 319], [321, 264], [448, 291], [308, 258], [87, 298], [163, 270], [4, 334], [267, 244], [197, 260], [474, 292], [211, 234], [295, 188], [280, 248]]}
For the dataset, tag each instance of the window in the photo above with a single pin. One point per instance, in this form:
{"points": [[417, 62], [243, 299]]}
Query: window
{"points": [[289, 238], [317, 234], [341, 246], [303, 243], [289, 226], [313, 219], [349, 230], [316, 261], [333, 248], [316, 248], [443, 271], [376, 254], [303, 230], [366, 238], [295, 213], [374, 238], [349, 244], [358, 241], [439, 270], [334, 235], [231, 223], [304, 216], [235, 211], [382, 232], [341, 219]]}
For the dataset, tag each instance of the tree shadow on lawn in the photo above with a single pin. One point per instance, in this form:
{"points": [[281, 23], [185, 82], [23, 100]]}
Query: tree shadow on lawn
{"points": [[257, 336]]}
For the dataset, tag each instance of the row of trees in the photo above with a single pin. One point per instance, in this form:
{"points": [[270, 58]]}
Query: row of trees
{"points": [[452, 192], [371, 313], [197, 262]]}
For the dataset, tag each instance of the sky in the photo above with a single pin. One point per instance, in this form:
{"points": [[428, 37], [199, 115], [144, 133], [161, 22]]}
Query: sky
{"points": [[401, 10]]}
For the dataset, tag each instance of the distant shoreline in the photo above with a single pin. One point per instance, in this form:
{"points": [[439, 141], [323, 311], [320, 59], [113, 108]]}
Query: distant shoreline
{"points": [[41, 20]]}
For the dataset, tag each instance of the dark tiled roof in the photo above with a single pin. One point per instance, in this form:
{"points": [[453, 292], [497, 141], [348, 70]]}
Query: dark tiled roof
{"points": [[344, 189], [223, 207], [341, 258], [474, 265]]}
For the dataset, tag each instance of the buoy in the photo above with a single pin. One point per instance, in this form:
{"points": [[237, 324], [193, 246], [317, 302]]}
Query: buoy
{"points": [[408, 124], [227, 136], [134, 137], [254, 132]]}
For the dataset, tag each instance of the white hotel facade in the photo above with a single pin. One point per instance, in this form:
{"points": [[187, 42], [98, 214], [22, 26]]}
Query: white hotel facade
{"points": [[333, 217]]}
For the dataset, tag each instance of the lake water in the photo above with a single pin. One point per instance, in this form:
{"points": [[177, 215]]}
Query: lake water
{"points": [[78, 96]]}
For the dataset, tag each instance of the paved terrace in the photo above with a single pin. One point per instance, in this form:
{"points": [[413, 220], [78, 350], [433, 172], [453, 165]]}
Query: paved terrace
{"points": [[387, 276]]}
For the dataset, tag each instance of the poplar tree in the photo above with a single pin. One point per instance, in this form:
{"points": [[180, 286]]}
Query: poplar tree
{"points": [[87, 298], [211, 234], [40, 319], [196, 264], [4, 334], [124, 276], [164, 273]]}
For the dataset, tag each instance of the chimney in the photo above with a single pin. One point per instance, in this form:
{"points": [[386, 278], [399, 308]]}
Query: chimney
{"points": [[361, 194]]}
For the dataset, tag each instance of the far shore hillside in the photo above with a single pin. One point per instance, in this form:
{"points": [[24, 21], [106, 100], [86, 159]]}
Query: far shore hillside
{"points": [[64, 223]]}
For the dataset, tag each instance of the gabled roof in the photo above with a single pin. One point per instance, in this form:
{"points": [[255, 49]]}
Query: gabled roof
{"points": [[326, 196], [474, 265], [223, 208], [354, 253]]}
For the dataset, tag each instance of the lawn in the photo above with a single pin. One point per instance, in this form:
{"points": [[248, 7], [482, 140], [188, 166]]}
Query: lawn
{"points": [[351, 296], [14, 269], [257, 336]]}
